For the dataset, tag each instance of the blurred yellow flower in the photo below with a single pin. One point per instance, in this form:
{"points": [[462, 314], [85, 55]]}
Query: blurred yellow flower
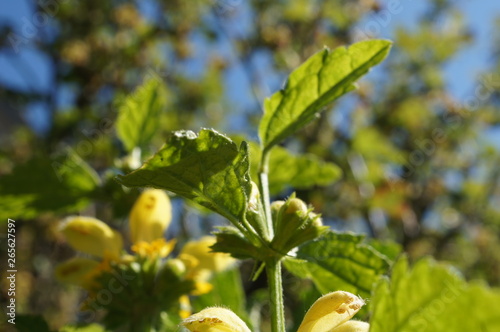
{"points": [[76, 271], [185, 306], [156, 248], [201, 287], [92, 236], [150, 216], [187, 265], [201, 261], [215, 320]]}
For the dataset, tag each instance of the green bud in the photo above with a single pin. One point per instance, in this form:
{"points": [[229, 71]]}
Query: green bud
{"points": [[255, 213], [294, 224], [316, 219], [275, 210], [295, 206]]}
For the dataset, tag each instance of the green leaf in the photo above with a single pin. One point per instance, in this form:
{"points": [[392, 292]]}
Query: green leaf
{"points": [[388, 248], [30, 323], [288, 170], [231, 241], [432, 297], [62, 184], [138, 114], [339, 261], [324, 77], [208, 169]]}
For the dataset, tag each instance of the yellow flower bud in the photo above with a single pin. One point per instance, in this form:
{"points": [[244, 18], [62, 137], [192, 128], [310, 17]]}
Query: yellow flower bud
{"points": [[92, 236], [352, 326], [215, 320], [76, 271], [330, 312], [150, 216], [206, 259]]}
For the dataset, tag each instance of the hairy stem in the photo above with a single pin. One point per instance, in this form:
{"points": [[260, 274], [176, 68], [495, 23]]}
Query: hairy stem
{"points": [[273, 265], [273, 271]]}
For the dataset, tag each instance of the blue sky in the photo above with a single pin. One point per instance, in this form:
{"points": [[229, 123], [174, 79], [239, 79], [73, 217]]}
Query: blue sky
{"points": [[461, 73]]}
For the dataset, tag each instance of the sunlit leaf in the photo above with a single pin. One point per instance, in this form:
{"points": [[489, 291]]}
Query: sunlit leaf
{"points": [[207, 168], [432, 297], [323, 78], [388, 248], [139, 114], [339, 261]]}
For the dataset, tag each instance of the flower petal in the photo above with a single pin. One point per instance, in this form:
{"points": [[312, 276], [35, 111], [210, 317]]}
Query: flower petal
{"points": [[150, 216], [157, 248], [352, 326], [330, 311], [92, 236], [75, 271], [215, 320], [207, 260]]}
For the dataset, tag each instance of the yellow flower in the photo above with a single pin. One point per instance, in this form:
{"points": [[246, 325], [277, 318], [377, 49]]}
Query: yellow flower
{"points": [[201, 287], [91, 284], [215, 320], [156, 248], [92, 236], [330, 313], [76, 271], [201, 261], [352, 326], [150, 216], [185, 306]]}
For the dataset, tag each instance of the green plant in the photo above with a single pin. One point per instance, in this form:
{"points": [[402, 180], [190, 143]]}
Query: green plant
{"points": [[235, 180], [213, 171]]}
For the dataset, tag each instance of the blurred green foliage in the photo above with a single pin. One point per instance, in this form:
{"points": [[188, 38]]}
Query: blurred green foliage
{"points": [[416, 165]]}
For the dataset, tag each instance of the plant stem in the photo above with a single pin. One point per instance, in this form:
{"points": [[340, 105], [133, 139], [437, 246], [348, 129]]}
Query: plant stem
{"points": [[273, 264], [264, 190], [273, 271]]}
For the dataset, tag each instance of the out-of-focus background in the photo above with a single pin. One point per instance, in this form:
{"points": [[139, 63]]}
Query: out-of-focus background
{"points": [[418, 143]]}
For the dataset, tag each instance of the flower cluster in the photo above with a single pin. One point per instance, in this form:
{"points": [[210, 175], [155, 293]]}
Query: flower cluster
{"points": [[187, 274], [149, 217]]}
